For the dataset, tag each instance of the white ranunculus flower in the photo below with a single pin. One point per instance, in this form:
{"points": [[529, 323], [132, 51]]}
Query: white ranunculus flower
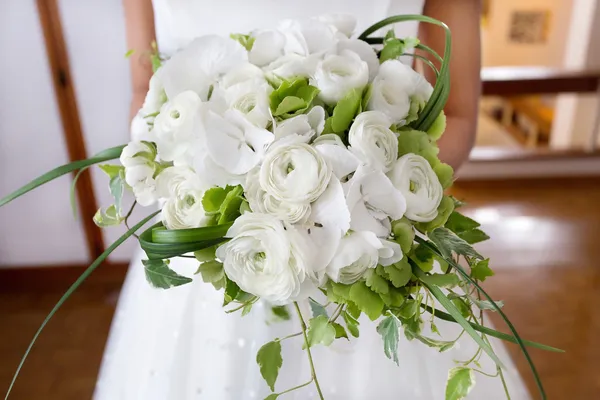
{"points": [[292, 65], [177, 126], [308, 126], [342, 161], [372, 200], [139, 128], [394, 87], [342, 23], [336, 75], [231, 144], [267, 47], [413, 176], [156, 95], [260, 201], [198, 65], [307, 37], [183, 190], [389, 253], [364, 50], [293, 171], [266, 259], [356, 253], [245, 89], [138, 159], [372, 141]]}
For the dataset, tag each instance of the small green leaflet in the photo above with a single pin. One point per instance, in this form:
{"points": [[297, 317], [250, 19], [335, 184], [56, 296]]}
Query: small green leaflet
{"points": [[460, 382], [388, 329], [392, 49], [345, 111], [211, 271], [409, 309], [269, 360], [129, 53], [316, 308], [351, 324], [213, 198], [442, 280], [231, 291], [320, 330], [366, 300], [376, 283], [245, 40], [159, 275], [281, 312], [447, 243], [108, 217], [340, 332], [111, 170], [399, 273], [481, 271], [466, 228], [230, 208], [404, 234], [272, 396]]}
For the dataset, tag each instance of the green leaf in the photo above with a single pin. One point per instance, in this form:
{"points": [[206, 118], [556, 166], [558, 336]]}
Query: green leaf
{"points": [[213, 198], [485, 304], [438, 127], [111, 170], [375, 282], [447, 242], [462, 306], [444, 210], [245, 40], [340, 332], [404, 234], [247, 308], [272, 396], [451, 308], [445, 174], [289, 105], [281, 312], [292, 98], [207, 254], [89, 270], [269, 360], [474, 236], [230, 208], [392, 49], [441, 345], [117, 187], [417, 142], [388, 329], [320, 331], [441, 280], [337, 292], [316, 308], [457, 203], [460, 382], [231, 291], [108, 154], [351, 324], [422, 257], [129, 53], [368, 301], [353, 310], [159, 275], [409, 309], [108, 217], [393, 298], [345, 111], [72, 193], [399, 273], [211, 271], [481, 271], [459, 223]]}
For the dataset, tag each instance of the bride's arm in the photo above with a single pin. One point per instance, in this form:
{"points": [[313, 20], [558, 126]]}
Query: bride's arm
{"points": [[139, 20], [463, 18]]}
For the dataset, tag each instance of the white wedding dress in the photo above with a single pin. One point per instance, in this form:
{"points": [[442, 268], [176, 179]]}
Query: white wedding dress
{"points": [[178, 344]]}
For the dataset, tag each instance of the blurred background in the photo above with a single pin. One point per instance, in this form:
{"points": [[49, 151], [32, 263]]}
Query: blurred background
{"points": [[533, 181]]}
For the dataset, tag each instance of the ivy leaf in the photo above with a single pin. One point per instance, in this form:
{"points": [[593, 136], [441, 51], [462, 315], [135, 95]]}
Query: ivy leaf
{"points": [[247, 308], [207, 254], [316, 308], [368, 301], [422, 257], [117, 187], [281, 312], [376, 283], [441, 280], [108, 217], [340, 332], [388, 329], [460, 382], [399, 273], [211, 271], [474, 236], [159, 275], [409, 309], [447, 242], [269, 360], [231, 291], [213, 198], [466, 228], [481, 270], [345, 111], [351, 324], [320, 330]]}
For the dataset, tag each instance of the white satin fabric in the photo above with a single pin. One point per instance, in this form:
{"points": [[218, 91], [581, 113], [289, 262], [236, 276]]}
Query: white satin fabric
{"points": [[178, 344]]}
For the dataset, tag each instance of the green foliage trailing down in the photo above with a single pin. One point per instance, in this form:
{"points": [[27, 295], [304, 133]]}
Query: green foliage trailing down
{"points": [[159, 275], [460, 382], [388, 329], [74, 287], [269, 360]]}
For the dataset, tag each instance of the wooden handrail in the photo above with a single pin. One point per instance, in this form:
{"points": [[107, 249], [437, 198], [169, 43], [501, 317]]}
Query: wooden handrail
{"points": [[514, 81]]}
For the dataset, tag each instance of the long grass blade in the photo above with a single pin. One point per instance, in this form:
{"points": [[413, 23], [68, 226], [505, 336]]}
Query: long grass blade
{"points": [[72, 289], [108, 154]]}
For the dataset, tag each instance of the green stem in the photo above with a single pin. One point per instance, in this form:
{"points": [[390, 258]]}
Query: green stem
{"points": [[336, 313], [289, 336], [73, 288], [295, 388], [254, 300], [313, 373], [504, 383]]}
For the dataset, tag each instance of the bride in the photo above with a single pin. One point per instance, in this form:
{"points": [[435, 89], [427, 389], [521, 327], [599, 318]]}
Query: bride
{"points": [[179, 344]]}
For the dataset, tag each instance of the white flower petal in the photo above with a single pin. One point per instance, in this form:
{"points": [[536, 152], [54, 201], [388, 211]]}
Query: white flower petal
{"points": [[330, 209], [342, 161], [356, 253], [364, 50], [390, 253]]}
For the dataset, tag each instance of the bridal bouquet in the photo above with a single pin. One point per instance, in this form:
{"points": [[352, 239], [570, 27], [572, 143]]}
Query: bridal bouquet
{"points": [[301, 164]]}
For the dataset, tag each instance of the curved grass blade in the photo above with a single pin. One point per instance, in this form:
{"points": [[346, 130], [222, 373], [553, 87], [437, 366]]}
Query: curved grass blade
{"points": [[455, 313], [108, 154], [158, 250], [72, 289], [489, 331], [163, 235], [464, 273], [72, 194]]}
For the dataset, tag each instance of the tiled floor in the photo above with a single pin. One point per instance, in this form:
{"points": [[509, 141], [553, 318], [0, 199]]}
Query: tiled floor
{"points": [[544, 248]]}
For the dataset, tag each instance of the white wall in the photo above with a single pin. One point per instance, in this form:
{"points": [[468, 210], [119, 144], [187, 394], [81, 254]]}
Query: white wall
{"points": [[37, 228]]}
